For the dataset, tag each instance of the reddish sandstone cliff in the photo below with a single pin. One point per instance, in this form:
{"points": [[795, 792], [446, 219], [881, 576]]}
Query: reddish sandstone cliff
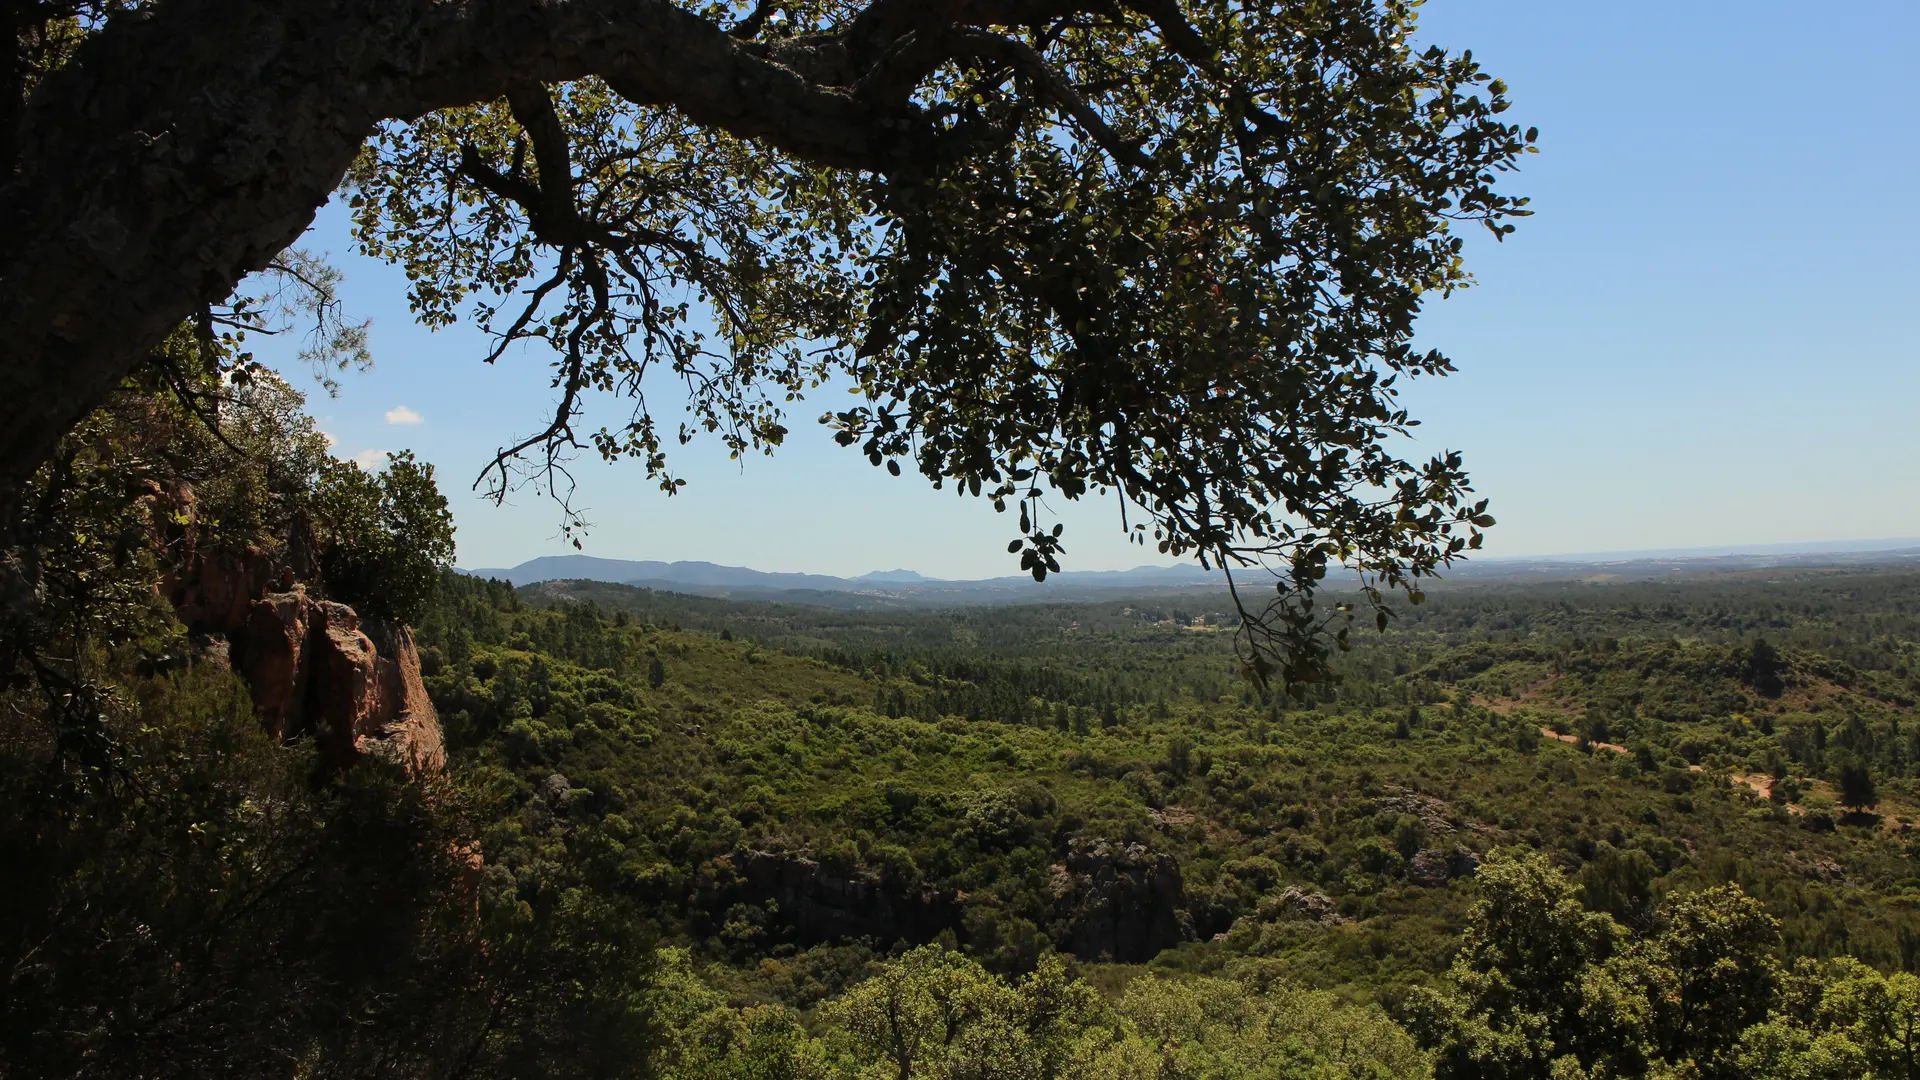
{"points": [[315, 667]]}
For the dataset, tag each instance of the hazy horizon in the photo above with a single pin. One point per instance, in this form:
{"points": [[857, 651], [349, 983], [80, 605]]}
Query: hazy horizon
{"points": [[1835, 547]]}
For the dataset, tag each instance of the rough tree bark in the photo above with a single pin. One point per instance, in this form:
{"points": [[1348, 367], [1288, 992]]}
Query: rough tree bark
{"points": [[189, 143]]}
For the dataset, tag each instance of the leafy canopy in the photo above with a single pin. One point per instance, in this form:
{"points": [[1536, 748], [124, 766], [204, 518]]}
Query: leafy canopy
{"points": [[1166, 251], [392, 533]]}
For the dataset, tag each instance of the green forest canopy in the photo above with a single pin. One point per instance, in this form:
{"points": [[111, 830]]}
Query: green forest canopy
{"points": [[1406, 863]]}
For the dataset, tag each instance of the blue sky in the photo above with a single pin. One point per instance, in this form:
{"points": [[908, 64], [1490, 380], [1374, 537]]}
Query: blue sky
{"points": [[1704, 338]]}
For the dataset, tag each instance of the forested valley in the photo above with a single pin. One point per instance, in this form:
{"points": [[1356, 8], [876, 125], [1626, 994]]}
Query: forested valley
{"points": [[1571, 829], [285, 795]]}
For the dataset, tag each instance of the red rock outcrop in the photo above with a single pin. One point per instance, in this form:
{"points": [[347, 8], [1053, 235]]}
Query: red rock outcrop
{"points": [[269, 649], [365, 693], [315, 667]]}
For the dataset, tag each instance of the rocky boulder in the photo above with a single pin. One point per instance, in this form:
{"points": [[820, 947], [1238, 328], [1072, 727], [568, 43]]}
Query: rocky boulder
{"points": [[1433, 867], [1434, 814], [270, 652], [1121, 902], [1299, 902], [365, 695]]}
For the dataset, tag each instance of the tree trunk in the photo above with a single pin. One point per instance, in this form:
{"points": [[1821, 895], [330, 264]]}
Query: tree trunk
{"points": [[192, 140], [177, 153]]}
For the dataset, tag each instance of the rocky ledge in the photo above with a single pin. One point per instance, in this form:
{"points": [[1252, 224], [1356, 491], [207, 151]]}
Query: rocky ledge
{"points": [[314, 666]]}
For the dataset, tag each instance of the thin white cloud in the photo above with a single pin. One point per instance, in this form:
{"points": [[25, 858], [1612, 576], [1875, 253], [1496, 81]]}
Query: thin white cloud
{"points": [[331, 441], [400, 414], [371, 460]]}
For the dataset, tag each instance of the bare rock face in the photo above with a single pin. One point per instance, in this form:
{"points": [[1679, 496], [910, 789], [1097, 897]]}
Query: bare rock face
{"points": [[410, 729], [212, 590], [270, 653], [1297, 902], [314, 666], [825, 905], [347, 667], [1432, 868], [1121, 902], [396, 718], [218, 589]]}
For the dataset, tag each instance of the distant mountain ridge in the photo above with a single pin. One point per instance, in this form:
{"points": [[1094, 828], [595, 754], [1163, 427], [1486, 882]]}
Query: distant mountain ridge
{"points": [[887, 588], [706, 576], [624, 571]]}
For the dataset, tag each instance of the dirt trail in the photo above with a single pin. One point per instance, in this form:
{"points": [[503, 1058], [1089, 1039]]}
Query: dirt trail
{"points": [[1574, 740], [1762, 785]]}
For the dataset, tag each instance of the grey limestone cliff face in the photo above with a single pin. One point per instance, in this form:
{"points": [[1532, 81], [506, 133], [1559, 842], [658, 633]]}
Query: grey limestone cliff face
{"points": [[1111, 901], [1432, 868], [1121, 902], [822, 904]]}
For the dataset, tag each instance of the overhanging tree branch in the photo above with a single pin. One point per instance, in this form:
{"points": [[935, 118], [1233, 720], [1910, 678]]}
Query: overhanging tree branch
{"points": [[927, 186]]}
